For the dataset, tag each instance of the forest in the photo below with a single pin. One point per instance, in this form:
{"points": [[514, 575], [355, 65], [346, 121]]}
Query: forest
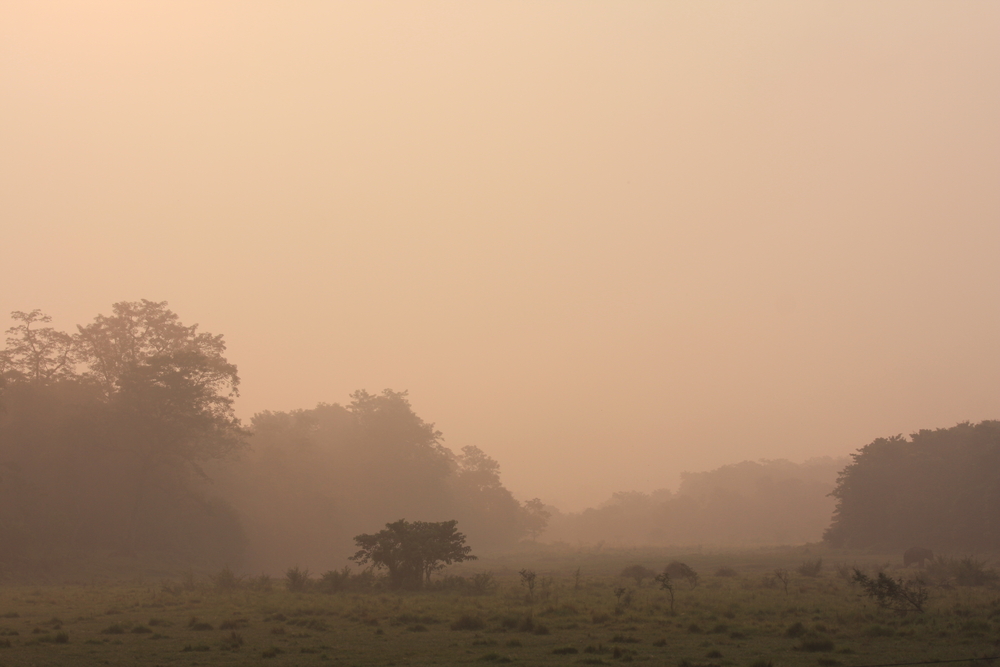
{"points": [[121, 438]]}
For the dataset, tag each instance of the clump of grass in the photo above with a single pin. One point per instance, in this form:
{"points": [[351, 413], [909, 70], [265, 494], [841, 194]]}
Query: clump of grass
{"points": [[141, 630], [113, 629], [271, 652], [726, 571], [879, 631], [624, 639], [232, 642], [795, 630], [196, 624], [565, 650], [816, 644], [196, 647], [468, 622]]}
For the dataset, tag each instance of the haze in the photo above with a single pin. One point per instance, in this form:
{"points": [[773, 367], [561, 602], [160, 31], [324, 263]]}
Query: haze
{"points": [[606, 243]]}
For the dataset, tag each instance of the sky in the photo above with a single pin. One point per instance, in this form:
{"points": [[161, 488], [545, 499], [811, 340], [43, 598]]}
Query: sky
{"points": [[605, 242]]}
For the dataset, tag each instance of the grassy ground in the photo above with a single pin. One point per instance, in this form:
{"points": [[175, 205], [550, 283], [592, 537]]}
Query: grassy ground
{"points": [[738, 614]]}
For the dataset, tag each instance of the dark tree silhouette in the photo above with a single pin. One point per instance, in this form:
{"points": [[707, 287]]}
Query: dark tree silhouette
{"points": [[411, 552], [940, 488]]}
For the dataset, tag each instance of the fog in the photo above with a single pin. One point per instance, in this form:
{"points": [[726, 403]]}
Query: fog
{"points": [[603, 243]]}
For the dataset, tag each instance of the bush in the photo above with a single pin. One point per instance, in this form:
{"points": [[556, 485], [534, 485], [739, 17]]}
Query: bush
{"points": [[296, 580], [226, 580], [482, 583], [811, 568], [972, 572], [679, 570], [261, 583], [335, 581], [891, 593], [726, 572], [637, 572]]}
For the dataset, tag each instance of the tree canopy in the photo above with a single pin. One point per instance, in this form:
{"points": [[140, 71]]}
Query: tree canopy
{"points": [[122, 437], [107, 430], [412, 551], [939, 489]]}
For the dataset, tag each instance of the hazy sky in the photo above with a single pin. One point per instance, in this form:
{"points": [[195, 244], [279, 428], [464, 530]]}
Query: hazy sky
{"points": [[603, 241]]}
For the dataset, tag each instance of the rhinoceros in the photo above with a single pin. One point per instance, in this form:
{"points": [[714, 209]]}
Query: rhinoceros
{"points": [[916, 555]]}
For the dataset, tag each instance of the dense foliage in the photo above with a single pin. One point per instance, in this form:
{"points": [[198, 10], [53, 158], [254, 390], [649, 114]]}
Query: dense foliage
{"points": [[412, 551], [122, 438], [753, 502], [104, 435], [939, 489]]}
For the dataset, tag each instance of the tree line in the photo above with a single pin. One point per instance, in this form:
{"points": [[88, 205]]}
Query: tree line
{"points": [[122, 438], [939, 489], [748, 503]]}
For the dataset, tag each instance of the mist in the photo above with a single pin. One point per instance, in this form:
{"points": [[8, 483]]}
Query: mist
{"points": [[605, 245]]}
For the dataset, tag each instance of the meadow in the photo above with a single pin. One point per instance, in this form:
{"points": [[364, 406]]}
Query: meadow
{"points": [[743, 610]]}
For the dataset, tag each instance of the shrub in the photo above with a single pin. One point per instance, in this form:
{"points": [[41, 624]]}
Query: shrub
{"points": [[637, 572], [566, 650], [679, 570], [335, 581], [261, 583], [891, 593], [726, 572], [296, 580], [811, 568], [971, 572], [482, 583], [226, 580]]}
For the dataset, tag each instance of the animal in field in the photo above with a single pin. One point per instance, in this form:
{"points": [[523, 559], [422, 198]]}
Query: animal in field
{"points": [[916, 555]]}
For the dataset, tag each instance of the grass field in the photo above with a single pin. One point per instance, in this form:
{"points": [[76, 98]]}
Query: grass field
{"points": [[739, 613]]}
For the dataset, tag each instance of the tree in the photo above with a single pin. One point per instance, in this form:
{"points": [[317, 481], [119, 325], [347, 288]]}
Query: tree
{"points": [[536, 517], [939, 489], [411, 552], [38, 355], [170, 393], [110, 430]]}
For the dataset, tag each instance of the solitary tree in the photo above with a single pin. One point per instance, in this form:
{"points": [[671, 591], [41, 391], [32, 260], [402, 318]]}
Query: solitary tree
{"points": [[411, 552]]}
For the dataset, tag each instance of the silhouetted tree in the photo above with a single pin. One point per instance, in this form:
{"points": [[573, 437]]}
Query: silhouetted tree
{"points": [[108, 430], [411, 552], [941, 489]]}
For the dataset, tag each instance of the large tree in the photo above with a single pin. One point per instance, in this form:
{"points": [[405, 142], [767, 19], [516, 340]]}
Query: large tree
{"points": [[939, 489], [117, 422], [170, 391], [411, 552]]}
